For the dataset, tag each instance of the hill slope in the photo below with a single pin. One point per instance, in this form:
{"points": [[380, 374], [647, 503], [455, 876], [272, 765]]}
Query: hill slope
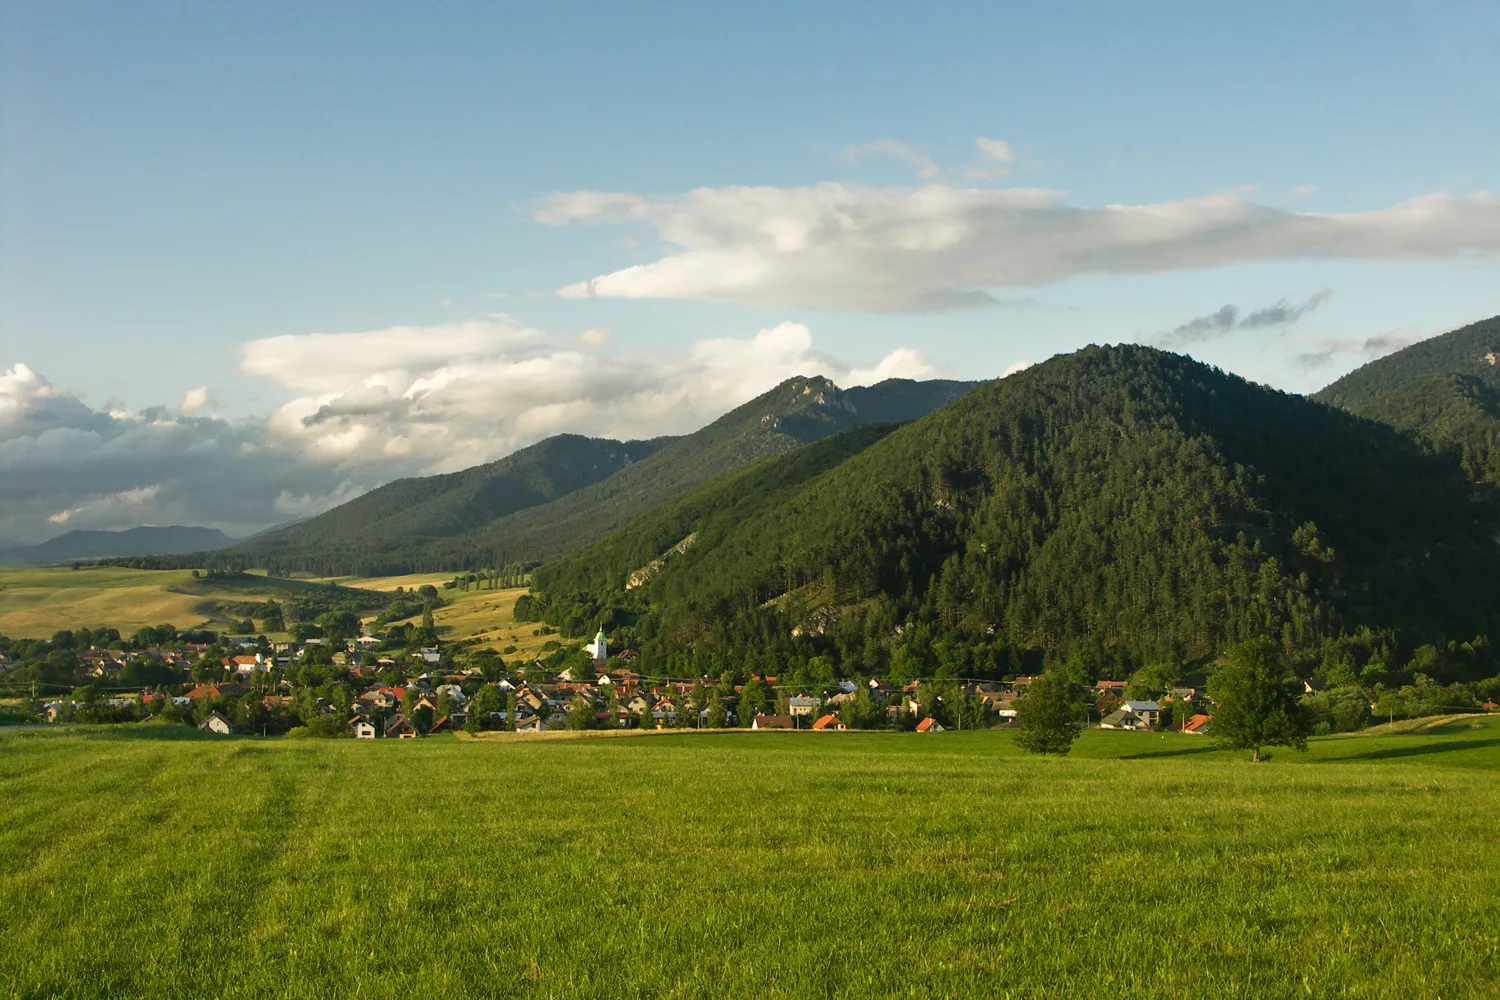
{"points": [[148, 541], [564, 492], [1119, 499], [369, 535], [1446, 390]]}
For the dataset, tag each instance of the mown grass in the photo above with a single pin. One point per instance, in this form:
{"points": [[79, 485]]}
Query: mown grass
{"points": [[810, 865]]}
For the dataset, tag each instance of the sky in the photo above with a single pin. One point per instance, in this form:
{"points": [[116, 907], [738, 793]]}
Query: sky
{"points": [[256, 260]]}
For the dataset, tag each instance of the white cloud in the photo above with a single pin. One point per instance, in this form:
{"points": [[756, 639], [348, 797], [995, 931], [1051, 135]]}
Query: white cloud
{"points": [[995, 157], [132, 501], [596, 336], [912, 155], [370, 406], [193, 401], [1304, 190], [1016, 366], [937, 247]]}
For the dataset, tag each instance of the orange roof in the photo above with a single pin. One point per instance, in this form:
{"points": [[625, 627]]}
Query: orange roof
{"points": [[829, 722], [1196, 723], [927, 725]]}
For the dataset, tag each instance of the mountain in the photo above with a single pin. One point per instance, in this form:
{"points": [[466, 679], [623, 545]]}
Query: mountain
{"points": [[546, 500], [373, 533], [1446, 390], [116, 544], [1120, 502], [795, 413]]}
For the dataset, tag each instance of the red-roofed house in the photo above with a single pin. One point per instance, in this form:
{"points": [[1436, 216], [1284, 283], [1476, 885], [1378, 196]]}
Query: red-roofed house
{"points": [[1197, 725], [929, 725], [829, 723]]}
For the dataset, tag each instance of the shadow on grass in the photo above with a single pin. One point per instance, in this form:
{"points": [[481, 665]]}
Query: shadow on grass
{"points": [[1418, 750], [1184, 752]]}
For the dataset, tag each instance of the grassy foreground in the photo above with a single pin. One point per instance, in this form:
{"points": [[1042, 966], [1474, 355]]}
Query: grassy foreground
{"points": [[775, 864]]}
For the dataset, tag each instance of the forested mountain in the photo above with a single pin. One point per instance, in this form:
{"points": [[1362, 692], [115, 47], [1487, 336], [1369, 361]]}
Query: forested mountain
{"points": [[372, 533], [149, 541], [568, 490], [1123, 502], [1445, 390]]}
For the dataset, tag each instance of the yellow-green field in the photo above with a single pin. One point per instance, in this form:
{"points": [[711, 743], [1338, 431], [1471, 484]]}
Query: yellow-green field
{"points": [[36, 602], [485, 617]]}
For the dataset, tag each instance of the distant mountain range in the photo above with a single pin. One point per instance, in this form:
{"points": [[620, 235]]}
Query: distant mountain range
{"points": [[131, 542], [1117, 502], [566, 491]]}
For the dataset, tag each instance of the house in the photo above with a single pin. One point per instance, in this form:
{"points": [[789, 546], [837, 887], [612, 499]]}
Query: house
{"points": [[929, 725], [215, 723], [773, 722], [364, 729], [640, 703], [802, 704], [1147, 711], [531, 725], [443, 725], [246, 664], [829, 723], [1116, 688], [430, 655], [1312, 685], [399, 727], [1197, 725]]}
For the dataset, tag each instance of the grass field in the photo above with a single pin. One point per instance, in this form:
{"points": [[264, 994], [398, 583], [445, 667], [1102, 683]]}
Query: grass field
{"points": [[748, 865]]}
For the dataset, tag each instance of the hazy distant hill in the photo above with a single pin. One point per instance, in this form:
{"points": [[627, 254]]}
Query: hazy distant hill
{"points": [[1124, 500], [1446, 390], [364, 534], [568, 490], [77, 545]]}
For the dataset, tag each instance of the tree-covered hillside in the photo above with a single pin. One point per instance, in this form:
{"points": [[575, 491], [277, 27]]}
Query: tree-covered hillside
{"points": [[1122, 500], [1445, 390], [379, 532]]}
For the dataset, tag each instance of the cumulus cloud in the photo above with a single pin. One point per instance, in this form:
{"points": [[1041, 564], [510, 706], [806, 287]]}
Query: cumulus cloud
{"points": [[369, 407], [1227, 319], [935, 247], [912, 155], [1319, 352], [193, 401]]}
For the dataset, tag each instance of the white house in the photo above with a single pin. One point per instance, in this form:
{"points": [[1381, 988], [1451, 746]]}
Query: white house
{"points": [[430, 655], [1147, 711], [215, 723], [364, 730], [599, 648]]}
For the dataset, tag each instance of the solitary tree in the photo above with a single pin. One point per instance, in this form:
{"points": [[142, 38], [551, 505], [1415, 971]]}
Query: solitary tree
{"points": [[1049, 715], [1258, 699]]}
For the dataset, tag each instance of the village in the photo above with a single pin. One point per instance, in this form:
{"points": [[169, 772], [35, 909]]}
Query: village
{"points": [[366, 689]]}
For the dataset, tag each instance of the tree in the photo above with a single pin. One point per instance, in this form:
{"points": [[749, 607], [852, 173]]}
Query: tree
{"points": [[718, 718], [581, 714], [511, 708], [1258, 700], [1049, 715]]}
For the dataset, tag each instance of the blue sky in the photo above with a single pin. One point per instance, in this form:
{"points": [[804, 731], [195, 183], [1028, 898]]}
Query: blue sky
{"points": [[178, 181]]}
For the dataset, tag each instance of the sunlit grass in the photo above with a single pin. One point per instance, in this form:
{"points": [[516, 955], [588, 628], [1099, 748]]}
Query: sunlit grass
{"points": [[748, 865]]}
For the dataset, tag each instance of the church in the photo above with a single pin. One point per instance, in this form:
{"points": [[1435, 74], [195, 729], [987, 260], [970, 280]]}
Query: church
{"points": [[599, 648]]}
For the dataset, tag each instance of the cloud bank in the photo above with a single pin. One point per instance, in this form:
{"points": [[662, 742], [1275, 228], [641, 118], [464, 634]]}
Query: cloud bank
{"points": [[369, 407], [935, 247]]}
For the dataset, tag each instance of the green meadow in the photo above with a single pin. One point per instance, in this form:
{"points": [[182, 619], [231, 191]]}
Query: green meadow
{"points": [[155, 862]]}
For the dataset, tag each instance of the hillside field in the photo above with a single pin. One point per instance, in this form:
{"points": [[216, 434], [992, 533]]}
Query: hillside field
{"points": [[486, 619], [38, 601], [155, 862]]}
